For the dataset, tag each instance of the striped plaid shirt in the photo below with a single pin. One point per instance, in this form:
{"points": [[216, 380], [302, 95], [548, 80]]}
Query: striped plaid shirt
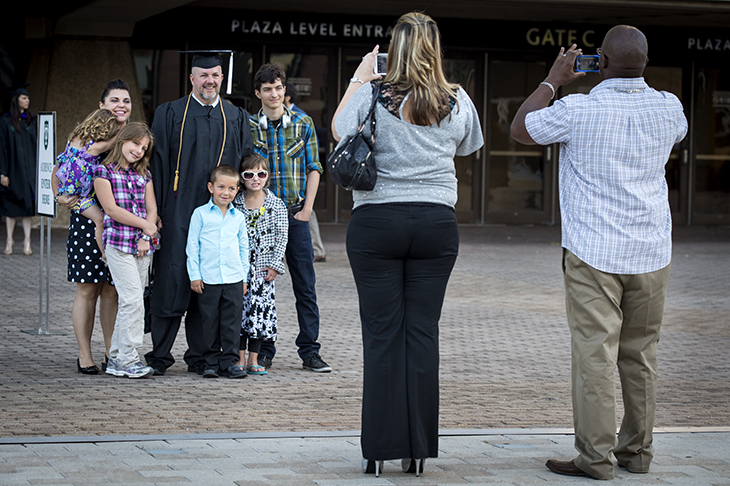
{"points": [[128, 189], [614, 144], [291, 153]]}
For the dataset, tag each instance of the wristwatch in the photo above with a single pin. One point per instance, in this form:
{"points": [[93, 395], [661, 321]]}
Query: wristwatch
{"points": [[355, 79], [56, 196]]}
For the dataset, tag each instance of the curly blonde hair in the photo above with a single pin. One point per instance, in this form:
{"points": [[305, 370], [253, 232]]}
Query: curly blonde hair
{"points": [[100, 125], [414, 64]]}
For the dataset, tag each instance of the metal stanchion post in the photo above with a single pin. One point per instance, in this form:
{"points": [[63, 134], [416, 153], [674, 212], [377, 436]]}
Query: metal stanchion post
{"points": [[44, 272]]}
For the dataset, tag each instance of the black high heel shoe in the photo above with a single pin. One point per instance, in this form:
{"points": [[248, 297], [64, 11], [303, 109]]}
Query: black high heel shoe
{"points": [[370, 467], [89, 370], [413, 465], [104, 363]]}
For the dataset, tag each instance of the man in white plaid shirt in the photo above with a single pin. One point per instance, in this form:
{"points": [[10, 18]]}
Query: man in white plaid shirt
{"points": [[616, 238]]}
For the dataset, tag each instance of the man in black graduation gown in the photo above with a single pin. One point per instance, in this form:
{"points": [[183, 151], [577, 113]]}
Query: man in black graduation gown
{"points": [[212, 132]]}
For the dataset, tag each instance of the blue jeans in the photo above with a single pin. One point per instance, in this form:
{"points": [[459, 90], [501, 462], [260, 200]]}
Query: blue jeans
{"points": [[300, 263]]}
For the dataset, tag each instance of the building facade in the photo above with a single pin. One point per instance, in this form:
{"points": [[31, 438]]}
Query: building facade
{"points": [[499, 62]]}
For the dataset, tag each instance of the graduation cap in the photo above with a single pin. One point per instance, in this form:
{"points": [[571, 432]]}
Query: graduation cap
{"points": [[16, 90], [210, 59]]}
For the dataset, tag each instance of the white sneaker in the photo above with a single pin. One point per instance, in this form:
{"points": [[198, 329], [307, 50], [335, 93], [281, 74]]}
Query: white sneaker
{"points": [[136, 370], [111, 368]]}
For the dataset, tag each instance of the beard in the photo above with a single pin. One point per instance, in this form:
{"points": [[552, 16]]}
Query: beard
{"points": [[208, 97]]}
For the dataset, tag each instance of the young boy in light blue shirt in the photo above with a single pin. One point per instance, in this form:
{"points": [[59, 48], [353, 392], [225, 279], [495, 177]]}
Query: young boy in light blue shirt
{"points": [[217, 250]]}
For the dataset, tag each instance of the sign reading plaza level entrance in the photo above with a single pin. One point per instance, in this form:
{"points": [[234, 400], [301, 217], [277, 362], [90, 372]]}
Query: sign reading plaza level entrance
{"points": [[698, 44], [312, 29]]}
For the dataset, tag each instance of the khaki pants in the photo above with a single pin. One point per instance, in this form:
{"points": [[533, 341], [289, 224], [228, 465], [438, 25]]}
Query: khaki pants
{"points": [[614, 320]]}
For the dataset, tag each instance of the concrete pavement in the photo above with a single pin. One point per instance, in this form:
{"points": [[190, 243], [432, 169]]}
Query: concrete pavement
{"points": [[506, 380], [517, 457]]}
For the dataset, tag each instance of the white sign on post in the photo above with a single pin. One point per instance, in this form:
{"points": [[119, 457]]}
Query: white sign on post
{"points": [[45, 204]]}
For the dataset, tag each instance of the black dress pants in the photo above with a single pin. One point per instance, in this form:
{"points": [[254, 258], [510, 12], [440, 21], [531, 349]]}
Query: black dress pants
{"points": [[221, 307], [164, 331], [401, 257]]}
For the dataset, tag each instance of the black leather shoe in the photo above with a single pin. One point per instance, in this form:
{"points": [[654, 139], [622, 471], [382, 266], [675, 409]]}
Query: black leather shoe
{"points": [[158, 371], [198, 368], [234, 371], [566, 468], [89, 370], [210, 373]]}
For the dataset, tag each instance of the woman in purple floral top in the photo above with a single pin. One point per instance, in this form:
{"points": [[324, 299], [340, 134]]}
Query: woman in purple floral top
{"points": [[124, 188], [86, 268]]}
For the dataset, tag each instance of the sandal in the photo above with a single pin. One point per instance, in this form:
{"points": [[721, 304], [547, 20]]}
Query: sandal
{"points": [[256, 370]]}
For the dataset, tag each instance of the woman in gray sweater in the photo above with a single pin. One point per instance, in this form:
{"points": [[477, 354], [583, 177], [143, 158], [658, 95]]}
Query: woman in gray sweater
{"points": [[403, 239]]}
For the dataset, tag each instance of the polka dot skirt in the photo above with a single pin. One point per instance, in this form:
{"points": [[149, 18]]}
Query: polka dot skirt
{"points": [[85, 264]]}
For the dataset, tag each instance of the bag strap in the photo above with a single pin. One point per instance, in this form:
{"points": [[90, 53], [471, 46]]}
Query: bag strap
{"points": [[371, 113]]}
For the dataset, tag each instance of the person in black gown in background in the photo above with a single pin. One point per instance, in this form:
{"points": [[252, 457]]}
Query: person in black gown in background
{"points": [[18, 167]]}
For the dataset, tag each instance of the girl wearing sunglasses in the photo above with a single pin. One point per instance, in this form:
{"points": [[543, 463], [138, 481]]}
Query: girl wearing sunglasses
{"points": [[268, 230]]}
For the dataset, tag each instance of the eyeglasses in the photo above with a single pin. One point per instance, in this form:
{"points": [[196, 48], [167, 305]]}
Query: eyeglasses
{"points": [[248, 174]]}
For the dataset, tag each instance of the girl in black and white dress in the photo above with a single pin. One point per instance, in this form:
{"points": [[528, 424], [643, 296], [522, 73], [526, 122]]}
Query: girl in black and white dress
{"points": [[268, 230]]}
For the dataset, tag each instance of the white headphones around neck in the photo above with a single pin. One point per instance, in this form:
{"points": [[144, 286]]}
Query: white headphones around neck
{"points": [[264, 122]]}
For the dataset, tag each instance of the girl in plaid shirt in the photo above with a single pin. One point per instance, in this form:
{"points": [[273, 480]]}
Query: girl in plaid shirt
{"points": [[124, 187]]}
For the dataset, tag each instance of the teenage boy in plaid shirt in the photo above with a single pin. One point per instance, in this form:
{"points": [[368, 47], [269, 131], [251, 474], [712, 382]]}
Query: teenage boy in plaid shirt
{"points": [[289, 143]]}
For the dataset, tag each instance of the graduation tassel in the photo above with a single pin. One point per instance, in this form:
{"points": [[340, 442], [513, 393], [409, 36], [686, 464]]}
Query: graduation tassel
{"points": [[179, 150], [229, 87]]}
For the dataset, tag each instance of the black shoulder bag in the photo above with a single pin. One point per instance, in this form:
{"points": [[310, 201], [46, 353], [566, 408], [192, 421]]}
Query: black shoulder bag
{"points": [[352, 165]]}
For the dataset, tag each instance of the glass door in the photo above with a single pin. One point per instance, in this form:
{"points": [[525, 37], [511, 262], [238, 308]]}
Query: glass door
{"points": [[467, 71], [710, 171], [518, 177]]}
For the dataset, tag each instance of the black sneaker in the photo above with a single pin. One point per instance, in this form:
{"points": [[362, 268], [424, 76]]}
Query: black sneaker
{"points": [[264, 361], [314, 362]]}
